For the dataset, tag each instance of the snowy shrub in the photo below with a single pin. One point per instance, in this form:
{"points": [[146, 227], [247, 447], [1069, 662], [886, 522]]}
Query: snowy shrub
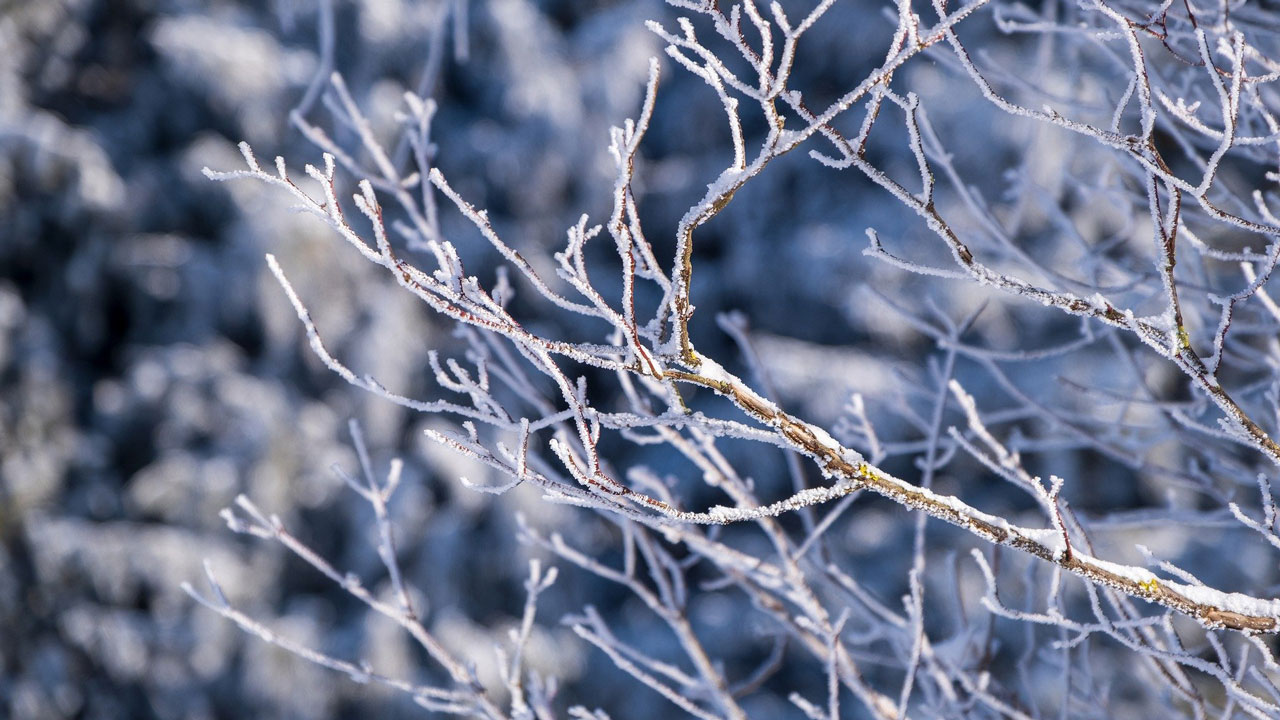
{"points": [[906, 361]]}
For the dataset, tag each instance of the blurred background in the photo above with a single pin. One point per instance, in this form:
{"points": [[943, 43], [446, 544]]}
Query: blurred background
{"points": [[151, 369]]}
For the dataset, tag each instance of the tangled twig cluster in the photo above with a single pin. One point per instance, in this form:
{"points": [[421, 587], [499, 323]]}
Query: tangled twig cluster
{"points": [[1176, 142]]}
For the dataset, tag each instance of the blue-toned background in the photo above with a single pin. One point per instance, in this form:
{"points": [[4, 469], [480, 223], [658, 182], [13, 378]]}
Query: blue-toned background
{"points": [[151, 369]]}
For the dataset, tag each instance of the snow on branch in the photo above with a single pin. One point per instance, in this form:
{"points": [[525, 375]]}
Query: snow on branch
{"points": [[534, 408]]}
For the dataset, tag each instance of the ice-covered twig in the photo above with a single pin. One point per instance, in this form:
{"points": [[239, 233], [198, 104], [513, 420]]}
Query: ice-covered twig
{"points": [[1213, 608]]}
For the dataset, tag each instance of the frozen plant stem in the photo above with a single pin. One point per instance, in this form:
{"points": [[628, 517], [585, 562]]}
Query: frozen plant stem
{"points": [[845, 466], [1212, 608], [526, 414]]}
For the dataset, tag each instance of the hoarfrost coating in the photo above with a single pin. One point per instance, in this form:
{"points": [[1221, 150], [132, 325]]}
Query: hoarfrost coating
{"points": [[720, 307], [656, 363]]}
